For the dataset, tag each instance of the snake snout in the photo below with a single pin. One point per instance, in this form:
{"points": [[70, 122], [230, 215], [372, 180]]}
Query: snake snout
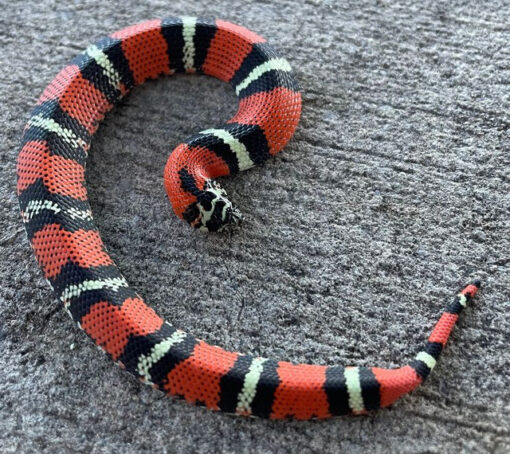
{"points": [[233, 217]]}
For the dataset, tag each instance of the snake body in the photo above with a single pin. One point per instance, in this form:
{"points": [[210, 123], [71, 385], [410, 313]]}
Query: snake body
{"points": [[58, 219]]}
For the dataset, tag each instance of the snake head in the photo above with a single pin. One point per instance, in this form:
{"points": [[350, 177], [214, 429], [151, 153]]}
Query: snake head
{"points": [[215, 210]]}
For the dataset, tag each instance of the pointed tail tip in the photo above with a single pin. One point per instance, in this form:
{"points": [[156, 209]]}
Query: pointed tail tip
{"points": [[471, 289]]}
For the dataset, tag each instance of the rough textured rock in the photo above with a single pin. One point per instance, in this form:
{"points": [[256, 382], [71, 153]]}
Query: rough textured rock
{"points": [[393, 193]]}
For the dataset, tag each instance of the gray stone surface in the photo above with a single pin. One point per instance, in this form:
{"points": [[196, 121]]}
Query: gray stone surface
{"points": [[393, 193]]}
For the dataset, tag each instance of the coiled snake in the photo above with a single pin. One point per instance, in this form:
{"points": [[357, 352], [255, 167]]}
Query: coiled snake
{"points": [[57, 216]]}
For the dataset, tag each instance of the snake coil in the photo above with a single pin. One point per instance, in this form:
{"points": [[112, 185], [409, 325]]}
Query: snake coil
{"points": [[57, 216]]}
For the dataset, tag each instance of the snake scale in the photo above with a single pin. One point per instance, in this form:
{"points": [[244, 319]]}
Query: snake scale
{"points": [[68, 247]]}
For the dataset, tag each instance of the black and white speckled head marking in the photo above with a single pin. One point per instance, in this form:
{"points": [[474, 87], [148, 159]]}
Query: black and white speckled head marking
{"points": [[215, 210], [212, 211]]}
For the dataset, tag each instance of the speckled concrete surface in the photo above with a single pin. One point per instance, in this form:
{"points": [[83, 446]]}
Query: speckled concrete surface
{"points": [[393, 193]]}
